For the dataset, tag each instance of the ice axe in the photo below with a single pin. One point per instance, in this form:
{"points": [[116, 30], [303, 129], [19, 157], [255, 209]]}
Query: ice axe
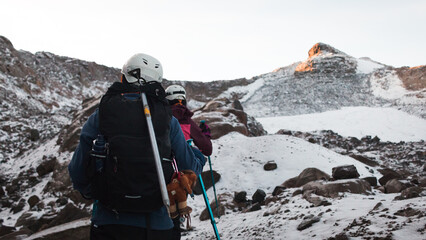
{"points": [[166, 201]]}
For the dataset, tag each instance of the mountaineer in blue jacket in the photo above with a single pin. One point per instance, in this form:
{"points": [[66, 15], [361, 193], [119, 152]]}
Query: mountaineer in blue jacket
{"points": [[125, 186]]}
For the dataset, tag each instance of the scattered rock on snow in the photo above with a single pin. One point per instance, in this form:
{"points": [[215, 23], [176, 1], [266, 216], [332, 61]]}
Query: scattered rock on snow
{"points": [[255, 207], [33, 200], [258, 196], [47, 166], [371, 180], [408, 212], [340, 236], [394, 186], [270, 165], [345, 172], [34, 135], [207, 180], [18, 206], [240, 197], [411, 192], [278, 189], [388, 174], [307, 222], [315, 200]]}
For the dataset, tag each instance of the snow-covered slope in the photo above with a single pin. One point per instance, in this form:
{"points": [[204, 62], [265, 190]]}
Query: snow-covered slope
{"points": [[240, 160], [355, 122]]}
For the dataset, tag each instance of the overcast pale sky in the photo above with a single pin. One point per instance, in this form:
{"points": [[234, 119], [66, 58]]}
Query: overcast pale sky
{"points": [[217, 40]]}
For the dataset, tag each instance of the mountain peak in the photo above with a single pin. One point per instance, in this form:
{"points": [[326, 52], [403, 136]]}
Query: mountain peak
{"points": [[327, 59], [6, 42], [319, 48]]}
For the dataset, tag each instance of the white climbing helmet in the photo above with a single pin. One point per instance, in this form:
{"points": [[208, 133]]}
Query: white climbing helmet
{"points": [[175, 92], [142, 66]]}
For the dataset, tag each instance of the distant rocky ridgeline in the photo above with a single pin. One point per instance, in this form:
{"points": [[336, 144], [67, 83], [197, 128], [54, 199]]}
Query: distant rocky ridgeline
{"points": [[37, 92], [40, 93], [330, 79]]}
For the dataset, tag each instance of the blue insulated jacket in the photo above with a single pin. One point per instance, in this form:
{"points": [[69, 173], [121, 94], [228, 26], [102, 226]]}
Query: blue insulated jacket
{"points": [[159, 220]]}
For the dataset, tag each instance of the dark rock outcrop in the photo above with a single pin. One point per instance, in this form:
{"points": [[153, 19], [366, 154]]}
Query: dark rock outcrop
{"points": [[371, 180], [388, 174], [240, 197], [345, 172], [47, 166], [258, 196], [307, 222], [222, 118], [207, 180], [270, 165], [394, 186]]}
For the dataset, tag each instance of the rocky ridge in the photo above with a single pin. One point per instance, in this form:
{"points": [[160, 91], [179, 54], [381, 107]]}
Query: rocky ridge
{"points": [[330, 79]]}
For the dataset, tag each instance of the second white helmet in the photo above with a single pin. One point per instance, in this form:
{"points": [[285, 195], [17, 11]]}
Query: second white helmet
{"points": [[142, 66], [175, 92]]}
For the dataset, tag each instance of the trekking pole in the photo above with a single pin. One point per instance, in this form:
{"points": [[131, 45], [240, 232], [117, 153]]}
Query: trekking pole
{"points": [[206, 200], [161, 180], [214, 188], [211, 172]]}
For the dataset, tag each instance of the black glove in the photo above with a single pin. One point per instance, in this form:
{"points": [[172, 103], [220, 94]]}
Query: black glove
{"points": [[205, 128]]}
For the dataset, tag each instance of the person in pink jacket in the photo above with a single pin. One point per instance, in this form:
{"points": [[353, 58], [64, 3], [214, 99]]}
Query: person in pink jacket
{"points": [[200, 135]]}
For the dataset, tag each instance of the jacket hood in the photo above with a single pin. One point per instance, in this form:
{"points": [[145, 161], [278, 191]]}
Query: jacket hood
{"points": [[181, 112]]}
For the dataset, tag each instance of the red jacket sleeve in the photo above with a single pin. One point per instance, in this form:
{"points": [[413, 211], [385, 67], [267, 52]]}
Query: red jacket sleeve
{"points": [[200, 140]]}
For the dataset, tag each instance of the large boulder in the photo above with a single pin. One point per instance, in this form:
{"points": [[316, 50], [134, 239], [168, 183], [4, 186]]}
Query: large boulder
{"points": [[258, 196], [345, 172], [47, 166], [411, 192], [371, 180], [394, 186], [307, 175], [332, 189], [225, 116], [224, 201], [388, 174], [207, 180], [33, 200]]}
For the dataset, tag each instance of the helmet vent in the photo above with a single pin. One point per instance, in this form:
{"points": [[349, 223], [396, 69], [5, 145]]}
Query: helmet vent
{"points": [[157, 65], [145, 61]]}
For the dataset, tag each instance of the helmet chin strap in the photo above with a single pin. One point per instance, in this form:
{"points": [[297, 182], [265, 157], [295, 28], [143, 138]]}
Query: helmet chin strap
{"points": [[136, 73]]}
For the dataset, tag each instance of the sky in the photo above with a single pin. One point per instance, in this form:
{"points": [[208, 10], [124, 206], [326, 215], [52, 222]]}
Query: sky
{"points": [[217, 40]]}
